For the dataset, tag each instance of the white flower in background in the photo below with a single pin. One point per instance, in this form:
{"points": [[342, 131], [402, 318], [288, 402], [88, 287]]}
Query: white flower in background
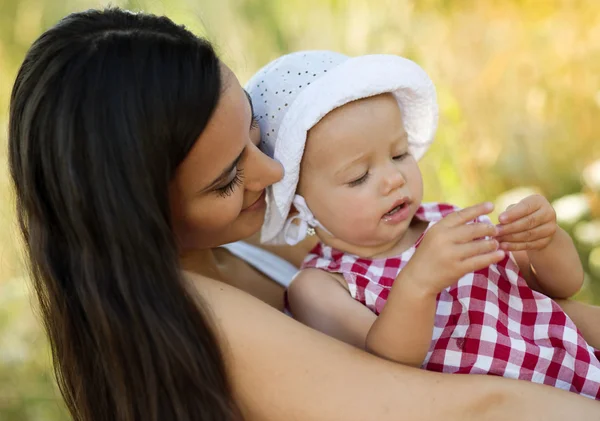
{"points": [[591, 176], [571, 209], [588, 233], [594, 261]]}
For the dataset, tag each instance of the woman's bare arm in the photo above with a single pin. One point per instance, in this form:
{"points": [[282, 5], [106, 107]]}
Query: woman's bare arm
{"points": [[281, 369]]}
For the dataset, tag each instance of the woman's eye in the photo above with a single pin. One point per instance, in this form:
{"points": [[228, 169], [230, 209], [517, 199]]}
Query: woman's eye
{"points": [[400, 157], [237, 181], [359, 180]]}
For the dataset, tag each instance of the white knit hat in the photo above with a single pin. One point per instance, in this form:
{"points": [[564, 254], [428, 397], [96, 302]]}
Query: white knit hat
{"points": [[294, 92]]}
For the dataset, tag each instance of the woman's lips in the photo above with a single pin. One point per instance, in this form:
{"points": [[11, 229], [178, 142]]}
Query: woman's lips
{"points": [[260, 202]]}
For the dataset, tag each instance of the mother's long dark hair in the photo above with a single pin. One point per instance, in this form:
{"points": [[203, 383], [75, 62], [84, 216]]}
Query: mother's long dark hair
{"points": [[104, 108]]}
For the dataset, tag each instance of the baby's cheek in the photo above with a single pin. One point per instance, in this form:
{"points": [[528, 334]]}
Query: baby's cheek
{"points": [[358, 222]]}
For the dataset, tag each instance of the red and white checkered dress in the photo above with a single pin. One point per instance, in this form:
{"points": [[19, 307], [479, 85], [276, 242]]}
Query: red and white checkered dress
{"points": [[489, 322]]}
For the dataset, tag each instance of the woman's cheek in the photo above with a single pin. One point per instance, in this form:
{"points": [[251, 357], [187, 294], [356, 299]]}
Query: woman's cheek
{"points": [[218, 214]]}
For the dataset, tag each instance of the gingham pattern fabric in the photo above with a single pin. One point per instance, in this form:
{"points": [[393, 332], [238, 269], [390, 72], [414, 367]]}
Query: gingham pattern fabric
{"points": [[489, 322]]}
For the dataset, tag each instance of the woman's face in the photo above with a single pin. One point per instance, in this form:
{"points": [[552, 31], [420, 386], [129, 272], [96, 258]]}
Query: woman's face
{"points": [[218, 192]]}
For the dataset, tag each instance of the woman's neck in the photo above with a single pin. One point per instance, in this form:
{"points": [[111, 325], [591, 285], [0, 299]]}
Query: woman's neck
{"points": [[223, 266], [202, 262]]}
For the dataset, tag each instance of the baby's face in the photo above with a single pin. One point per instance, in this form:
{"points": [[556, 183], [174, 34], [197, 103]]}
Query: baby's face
{"points": [[358, 177]]}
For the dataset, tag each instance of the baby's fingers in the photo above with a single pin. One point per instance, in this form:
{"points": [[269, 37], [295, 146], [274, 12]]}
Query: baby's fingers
{"points": [[542, 231], [527, 245], [527, 223], [476, 248], [482, 261], [469, 232], [520, 210], [465, 215]]}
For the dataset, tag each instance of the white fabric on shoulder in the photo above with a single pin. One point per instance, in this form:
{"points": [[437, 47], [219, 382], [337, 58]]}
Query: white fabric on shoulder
{"points": [[273, 266]]}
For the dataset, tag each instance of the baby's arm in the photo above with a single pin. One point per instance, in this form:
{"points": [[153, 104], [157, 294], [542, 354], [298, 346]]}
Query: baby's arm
{"points": [[403, 330], [319, 300], [402, 333], [545, 253]]}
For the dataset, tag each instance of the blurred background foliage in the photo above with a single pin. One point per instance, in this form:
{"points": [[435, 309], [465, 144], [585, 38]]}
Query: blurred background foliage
{"points": [[519, 92]]}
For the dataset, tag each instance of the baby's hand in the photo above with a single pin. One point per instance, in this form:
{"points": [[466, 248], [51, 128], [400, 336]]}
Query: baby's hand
{"points": [[451, 249], [528, 225]]}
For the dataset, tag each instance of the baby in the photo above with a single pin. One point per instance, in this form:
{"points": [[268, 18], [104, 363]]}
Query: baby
{"points": [[425, 284]]}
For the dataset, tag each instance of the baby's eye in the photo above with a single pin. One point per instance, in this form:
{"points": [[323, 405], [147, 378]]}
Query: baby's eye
{"points": [[359, 180], [400, 157]]}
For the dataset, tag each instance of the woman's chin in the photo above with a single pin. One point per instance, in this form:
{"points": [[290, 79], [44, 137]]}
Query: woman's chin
{"points": [[252, 229], [247, 225]]}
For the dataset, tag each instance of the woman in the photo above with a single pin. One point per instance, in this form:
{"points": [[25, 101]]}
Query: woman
{"points": [[133, 154]]}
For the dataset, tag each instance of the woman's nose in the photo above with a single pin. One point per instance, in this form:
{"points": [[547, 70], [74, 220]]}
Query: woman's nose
{"points": [[260, 171]]}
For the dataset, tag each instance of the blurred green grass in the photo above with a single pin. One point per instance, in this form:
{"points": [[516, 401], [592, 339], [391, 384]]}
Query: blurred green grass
{"points": [[519, 92]]}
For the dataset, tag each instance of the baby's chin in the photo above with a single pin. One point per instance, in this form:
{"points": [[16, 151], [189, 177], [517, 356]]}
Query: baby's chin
{"points": [[365, 246]]}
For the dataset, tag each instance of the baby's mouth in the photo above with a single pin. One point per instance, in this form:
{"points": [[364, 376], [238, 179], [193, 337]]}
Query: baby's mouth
{"points": [[398, 206], [396, 209]]}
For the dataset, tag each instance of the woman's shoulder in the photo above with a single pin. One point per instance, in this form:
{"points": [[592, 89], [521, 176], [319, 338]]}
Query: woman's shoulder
{"points": [[269, 354]]}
